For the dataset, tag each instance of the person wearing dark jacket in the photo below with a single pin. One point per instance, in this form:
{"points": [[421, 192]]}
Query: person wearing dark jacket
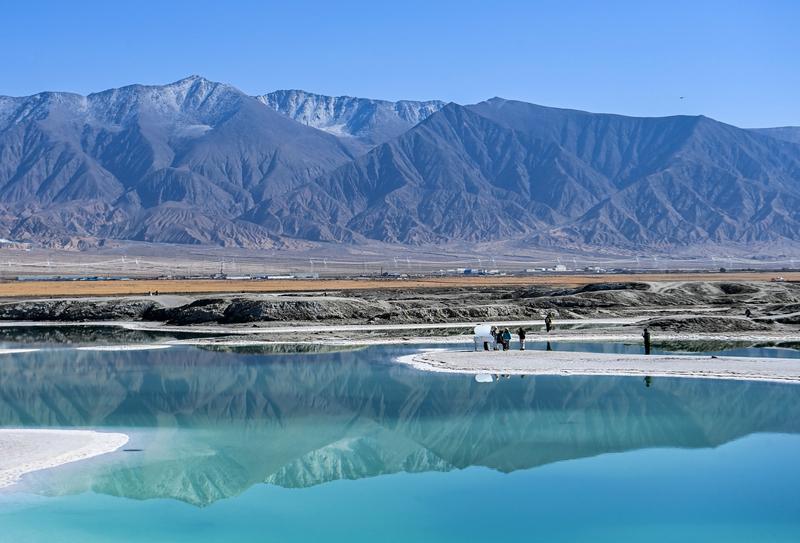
{"points": [[646, 336], [521, 333], [548, 323]]}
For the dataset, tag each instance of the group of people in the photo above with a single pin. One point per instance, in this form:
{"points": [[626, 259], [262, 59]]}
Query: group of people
{"points": [[502, 336]]}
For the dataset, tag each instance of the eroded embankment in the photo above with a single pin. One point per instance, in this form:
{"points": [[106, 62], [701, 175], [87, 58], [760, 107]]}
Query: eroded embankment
{"points": [[771, 305]]}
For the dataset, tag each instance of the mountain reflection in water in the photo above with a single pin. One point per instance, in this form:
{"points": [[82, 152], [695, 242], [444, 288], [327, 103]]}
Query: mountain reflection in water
{"points": [[87, 334], [212, 424]]}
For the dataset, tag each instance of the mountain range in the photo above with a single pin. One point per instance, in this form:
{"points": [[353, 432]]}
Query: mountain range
{"points": [[199, 162]]}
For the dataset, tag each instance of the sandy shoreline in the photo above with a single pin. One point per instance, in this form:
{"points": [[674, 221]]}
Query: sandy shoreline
{"points": [[784, 370], [27, 450]]}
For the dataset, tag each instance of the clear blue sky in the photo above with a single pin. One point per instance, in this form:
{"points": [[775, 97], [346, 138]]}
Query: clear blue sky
{"points": [[738, 62]]}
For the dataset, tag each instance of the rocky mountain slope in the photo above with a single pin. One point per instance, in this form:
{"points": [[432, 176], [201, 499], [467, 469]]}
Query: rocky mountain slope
{"points": [[198, 162], [362, 122], [505, 170], [177, 163], [785, 133]]}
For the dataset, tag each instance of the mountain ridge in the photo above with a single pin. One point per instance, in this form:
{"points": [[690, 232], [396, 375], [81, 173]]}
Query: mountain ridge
{"points": [[541, 174], [785, 133], [200, 162]]}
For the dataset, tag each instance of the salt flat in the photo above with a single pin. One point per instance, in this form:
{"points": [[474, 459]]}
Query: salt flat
{"points": [[571, 363], [26, 450]]}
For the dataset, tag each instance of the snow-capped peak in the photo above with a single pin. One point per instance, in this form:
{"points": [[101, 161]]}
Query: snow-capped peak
{"points": [[372, 121]]}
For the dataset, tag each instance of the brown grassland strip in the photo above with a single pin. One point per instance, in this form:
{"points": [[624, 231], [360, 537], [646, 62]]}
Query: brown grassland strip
{"points": [[24, 289]]}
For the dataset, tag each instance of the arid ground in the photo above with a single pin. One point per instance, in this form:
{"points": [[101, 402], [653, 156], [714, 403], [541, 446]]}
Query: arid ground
{"points": [[29, 289], [696, 307]]}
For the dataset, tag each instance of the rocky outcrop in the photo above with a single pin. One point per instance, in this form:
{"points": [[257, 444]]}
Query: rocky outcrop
{"points": [[198, 312], [302, 309], [120, 309]]}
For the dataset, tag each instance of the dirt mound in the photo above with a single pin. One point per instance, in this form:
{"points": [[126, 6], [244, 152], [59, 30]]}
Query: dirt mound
{"points": [[706, 324], [541, 292], [791, 319], [732, 289], [77, 310], [287, 309], [197, 312], [628, 285]]}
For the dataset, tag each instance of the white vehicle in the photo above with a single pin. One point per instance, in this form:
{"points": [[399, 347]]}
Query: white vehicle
{"points": [[483, 338]]}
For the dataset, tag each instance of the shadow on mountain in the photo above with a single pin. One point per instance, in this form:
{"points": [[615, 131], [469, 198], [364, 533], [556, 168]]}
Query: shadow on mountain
{"points": [[211, 425]]}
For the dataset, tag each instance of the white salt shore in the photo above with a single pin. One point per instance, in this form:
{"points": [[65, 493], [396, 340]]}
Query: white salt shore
{"points": [[25, 451], [17, 351], [126, 347], [785, 370]]}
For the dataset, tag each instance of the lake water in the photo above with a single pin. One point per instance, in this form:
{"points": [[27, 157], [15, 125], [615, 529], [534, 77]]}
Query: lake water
{"points": [[348, 446]]}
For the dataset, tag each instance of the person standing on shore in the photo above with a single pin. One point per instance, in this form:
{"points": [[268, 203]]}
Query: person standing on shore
{"points": [[494, 333], [506, 339], [646, 336], [521, 333], [548, 323]]}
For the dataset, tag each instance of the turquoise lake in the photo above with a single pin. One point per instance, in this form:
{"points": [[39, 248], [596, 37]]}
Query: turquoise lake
{"points": [[348, 446]]}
